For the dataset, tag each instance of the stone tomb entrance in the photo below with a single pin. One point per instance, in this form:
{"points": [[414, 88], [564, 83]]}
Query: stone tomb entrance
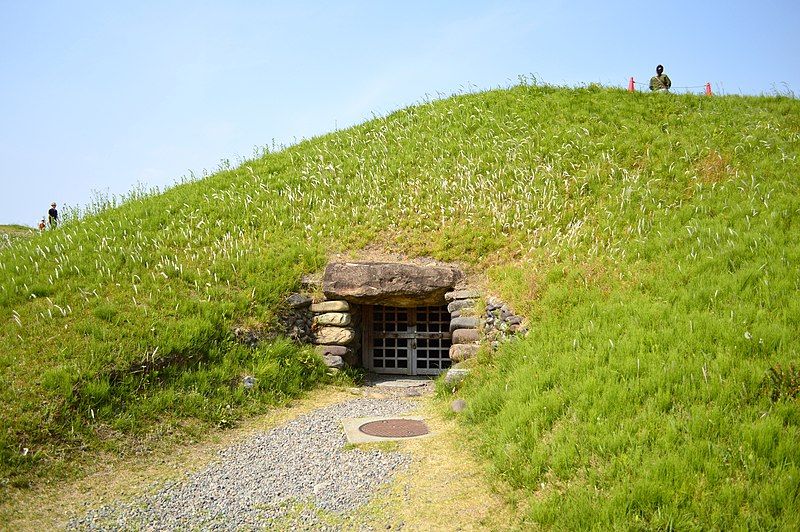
{"points": [[406, 340], [405, 323], [391, 318]]}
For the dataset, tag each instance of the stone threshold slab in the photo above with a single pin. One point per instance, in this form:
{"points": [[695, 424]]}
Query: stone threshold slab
{"points": [[351, 426], [407, 382]]}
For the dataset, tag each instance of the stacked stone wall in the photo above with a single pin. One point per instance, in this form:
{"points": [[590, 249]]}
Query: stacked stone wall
{"points": [[497, 323], [464, 329], [336, 332], [500, 323], [296, 319], [333, 326]]}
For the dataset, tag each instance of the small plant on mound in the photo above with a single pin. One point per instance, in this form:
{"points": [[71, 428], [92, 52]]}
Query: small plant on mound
{"points": [[783, 383]]}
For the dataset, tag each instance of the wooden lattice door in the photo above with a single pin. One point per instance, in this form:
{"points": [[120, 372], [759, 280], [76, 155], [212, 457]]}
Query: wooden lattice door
{"points": [[408, 341]]}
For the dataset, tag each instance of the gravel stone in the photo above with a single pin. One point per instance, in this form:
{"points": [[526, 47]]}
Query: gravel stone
{"points": [[260, 482], [459, 405]]}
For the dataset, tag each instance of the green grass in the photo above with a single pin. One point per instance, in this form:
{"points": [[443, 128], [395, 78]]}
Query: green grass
{"points": [[649, 240], [11, 232]]}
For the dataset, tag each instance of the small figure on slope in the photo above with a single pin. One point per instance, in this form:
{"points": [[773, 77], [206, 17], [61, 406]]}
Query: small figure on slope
{"points": [[660, 82], [52, 215]]}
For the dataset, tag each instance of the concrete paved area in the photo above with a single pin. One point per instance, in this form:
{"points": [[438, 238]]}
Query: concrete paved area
{"points": [[354, 435]]}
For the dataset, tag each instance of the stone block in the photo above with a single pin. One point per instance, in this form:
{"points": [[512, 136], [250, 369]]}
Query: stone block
{"points": [[461, 352], [333, 361], [462, 322], [458, 406], [337, 350], [330, 306], [462, 294], [493, 304], [333, 318], [334, 335], [348, 354], [298, 300], [466, 336], [389, 283], [460, 304], [455, 375]]}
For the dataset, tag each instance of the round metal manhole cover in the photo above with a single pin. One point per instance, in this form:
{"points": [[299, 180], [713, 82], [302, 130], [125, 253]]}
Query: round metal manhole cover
{"points": [[395, 428]]}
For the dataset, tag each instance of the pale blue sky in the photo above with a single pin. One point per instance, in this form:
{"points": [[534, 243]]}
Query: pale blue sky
{"points": [[102, 95]]}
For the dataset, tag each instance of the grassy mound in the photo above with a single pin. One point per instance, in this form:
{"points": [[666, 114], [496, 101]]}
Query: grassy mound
{"points": [[10, 233], [647, 237]]}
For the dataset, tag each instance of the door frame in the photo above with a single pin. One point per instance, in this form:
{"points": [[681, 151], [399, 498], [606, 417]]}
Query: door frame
{"points": [[411, 334]]}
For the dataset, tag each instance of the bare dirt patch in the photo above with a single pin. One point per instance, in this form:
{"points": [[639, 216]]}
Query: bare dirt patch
{"points": [[714, 168], [445, 488]]}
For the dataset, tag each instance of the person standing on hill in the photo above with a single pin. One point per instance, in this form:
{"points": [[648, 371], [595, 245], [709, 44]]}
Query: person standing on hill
{"points": [[660, 82], [52, 216], [42, 225]]}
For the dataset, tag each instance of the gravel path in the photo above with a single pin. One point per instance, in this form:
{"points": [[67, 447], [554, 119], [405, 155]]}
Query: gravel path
{"points": [[280, 478]]}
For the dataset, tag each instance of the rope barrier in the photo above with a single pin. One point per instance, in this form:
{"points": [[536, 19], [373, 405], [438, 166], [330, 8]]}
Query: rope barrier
{"points": [[632, 83], [674, 86]]}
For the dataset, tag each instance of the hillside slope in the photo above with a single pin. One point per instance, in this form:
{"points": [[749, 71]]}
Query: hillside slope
{"points": [[11, 233], [648, 239]]}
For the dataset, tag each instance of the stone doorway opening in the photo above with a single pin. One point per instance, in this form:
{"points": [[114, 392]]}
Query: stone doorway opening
{"points": [[397, 318], [406, 340]]}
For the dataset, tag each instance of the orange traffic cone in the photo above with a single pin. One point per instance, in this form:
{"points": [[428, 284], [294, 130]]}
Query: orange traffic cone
{"points": [[630, 85], [708, 89]]}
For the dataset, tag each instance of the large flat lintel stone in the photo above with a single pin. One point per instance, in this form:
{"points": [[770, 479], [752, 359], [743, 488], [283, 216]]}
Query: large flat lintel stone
{"points": [[389, 283]]}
